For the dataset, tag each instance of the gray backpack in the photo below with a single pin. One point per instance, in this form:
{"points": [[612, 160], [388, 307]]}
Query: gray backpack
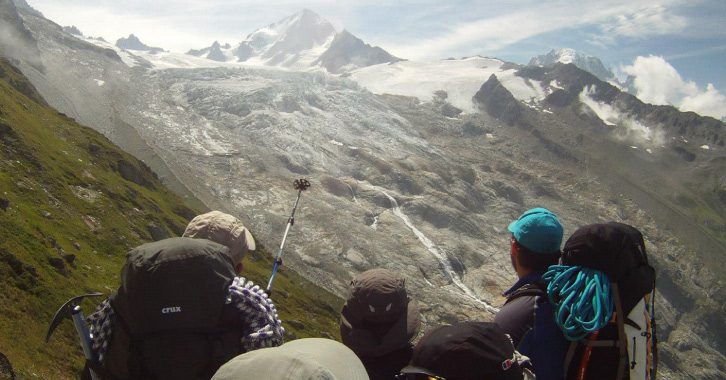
{"points": [[172, 304]]}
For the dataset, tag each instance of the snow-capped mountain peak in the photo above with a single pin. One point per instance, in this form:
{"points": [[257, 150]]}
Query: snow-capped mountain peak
{"points": [[566, 55], [290, 41], [302, 41]]}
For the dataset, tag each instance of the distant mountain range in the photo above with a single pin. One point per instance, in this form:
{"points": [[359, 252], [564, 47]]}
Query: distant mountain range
{"points": [[301, 41]]}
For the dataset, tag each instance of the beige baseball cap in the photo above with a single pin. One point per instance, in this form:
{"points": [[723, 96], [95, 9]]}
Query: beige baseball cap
{"points": [[224, 229], [301, 359]]}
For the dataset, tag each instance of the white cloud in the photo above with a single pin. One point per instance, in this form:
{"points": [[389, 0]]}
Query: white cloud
{"points": [[639, 23], [645, 22], [499, 28], [657, 82], [626, 127], [709, 102]]}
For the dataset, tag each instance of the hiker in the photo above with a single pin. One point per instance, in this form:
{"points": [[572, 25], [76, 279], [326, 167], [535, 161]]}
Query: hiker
{"points": [[181, 310], [527, 315], [379, 321], [301, 359], [466, 351], [603, 296]]}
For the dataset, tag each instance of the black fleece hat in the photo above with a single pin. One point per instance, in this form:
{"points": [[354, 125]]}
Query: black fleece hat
{"points": [[466, 351]]}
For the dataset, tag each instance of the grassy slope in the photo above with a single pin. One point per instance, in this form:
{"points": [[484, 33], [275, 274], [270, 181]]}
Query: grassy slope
{"points": [[69, 203]]}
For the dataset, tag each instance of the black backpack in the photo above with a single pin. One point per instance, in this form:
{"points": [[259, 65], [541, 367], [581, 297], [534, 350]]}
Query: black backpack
{"points": [[172, 304], [625, 348]]}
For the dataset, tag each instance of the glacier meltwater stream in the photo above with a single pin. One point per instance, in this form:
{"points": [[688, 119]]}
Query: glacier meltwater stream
{"points": [[431, 247]]}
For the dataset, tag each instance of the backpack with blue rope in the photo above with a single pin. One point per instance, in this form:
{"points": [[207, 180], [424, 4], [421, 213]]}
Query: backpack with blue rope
{"points": [[603, 294]]}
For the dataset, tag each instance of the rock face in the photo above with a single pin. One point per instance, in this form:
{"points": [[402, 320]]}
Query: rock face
{"points": [[497, 101], [16, 41], [72, 30], [6, 369], [133, 43], [350, 52], [213, 52]]}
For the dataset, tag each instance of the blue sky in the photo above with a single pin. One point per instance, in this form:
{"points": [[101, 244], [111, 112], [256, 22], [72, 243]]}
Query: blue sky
{"points": [[687, 37]]}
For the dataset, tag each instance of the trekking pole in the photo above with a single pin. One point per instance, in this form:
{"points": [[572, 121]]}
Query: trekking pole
{"points": [[300, 185], [72, 310]]}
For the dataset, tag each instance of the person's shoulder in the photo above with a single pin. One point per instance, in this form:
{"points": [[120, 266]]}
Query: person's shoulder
{"points": [[527, 293]]}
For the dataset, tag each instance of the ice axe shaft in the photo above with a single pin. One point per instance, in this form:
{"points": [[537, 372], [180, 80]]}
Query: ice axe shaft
{"points": [[300, 185], [72, 310], [79, 321]]}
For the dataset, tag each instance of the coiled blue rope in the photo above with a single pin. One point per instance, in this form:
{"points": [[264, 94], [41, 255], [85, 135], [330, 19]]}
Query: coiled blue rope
{"points": [[581, 297]]}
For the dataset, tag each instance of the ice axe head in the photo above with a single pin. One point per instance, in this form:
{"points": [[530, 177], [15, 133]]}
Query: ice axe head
{"points": [[67, 311]]}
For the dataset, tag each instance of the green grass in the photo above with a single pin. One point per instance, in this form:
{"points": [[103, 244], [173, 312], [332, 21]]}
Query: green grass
{"points": [[67, 196]]}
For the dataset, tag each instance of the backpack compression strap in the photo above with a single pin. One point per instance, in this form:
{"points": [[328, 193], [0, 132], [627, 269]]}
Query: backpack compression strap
{"points": [[654, 341], [620, 319]]}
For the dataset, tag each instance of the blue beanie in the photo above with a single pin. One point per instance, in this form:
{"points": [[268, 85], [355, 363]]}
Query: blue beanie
{"points": [[538, 230]]}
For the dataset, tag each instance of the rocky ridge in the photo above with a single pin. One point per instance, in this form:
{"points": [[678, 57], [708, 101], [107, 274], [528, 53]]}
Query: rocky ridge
{"points": [[133, 43]]}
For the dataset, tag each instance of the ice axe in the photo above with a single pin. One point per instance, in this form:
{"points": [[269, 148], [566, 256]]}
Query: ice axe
{"points": [[300, 185], [72, 310]]}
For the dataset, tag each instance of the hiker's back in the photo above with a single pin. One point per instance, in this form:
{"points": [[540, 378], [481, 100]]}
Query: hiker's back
{"points": [[172, 312], [527, 316], [603, 296]]}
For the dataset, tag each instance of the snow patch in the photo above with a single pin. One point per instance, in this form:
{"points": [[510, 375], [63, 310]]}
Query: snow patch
{"points": [[375, 223], [489, 136], [460, 78], [705, 147], [526, 90], [338, 143], [100, 82], [127, 58]]}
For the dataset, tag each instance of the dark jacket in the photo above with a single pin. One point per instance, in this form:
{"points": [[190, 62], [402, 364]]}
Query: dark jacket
{"points": [[529, 320], [387, 366]]}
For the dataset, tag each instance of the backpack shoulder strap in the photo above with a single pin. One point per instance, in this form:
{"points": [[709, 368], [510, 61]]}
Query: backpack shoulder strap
{"points": [[535, 289]]}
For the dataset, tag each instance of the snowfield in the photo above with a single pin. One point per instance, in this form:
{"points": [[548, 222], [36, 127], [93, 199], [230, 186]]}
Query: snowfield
{"points": [[459, 78]]}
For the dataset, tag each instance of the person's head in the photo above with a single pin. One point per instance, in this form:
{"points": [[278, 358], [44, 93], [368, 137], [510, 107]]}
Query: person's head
{"points": [[223, 229], [465, 351], [536, 239], [379, 312], [302, 359]]}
